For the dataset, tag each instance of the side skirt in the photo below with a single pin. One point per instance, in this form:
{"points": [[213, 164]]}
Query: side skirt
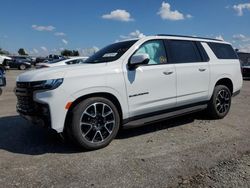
{"points": [[162, 115]]}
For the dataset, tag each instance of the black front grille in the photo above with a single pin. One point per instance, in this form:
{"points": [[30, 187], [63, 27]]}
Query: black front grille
{"points": [[27, 106], [28, 85], [25, 101]]}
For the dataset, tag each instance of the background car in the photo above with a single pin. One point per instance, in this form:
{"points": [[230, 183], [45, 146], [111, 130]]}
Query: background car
{"points": [[2, 80], [70, 61], [245, 63], [49, 58], [4, 62], [20, 62]]}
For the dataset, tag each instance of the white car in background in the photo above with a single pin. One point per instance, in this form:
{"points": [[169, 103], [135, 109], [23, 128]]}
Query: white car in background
{"points": [[59, 62], [2, 63]]}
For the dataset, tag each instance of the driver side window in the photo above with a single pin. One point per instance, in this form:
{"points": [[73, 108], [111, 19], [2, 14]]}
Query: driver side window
{"points": [[155, 50]]}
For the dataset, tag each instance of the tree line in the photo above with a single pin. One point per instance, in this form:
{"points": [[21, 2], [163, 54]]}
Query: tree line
{"points": [[22, 51]]}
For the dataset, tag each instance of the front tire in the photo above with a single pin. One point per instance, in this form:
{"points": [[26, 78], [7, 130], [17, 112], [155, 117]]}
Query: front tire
{"points": [[22, 67], [95, 123], [220, 103]]}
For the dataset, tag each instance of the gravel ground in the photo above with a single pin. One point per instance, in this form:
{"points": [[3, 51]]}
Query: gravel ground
{"points": [[190, 151]]}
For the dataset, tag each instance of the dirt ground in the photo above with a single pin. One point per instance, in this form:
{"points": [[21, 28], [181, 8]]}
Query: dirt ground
{"points": [[189, 151]]}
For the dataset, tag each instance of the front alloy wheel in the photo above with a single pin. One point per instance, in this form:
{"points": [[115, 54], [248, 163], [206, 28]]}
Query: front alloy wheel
{"points": [[95, 123]]}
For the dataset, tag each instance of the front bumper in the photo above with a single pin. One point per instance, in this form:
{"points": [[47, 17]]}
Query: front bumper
{"points": [[28, 108]]}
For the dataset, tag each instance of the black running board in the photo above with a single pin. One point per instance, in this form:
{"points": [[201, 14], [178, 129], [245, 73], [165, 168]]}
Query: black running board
{"points": [[163, 116]]}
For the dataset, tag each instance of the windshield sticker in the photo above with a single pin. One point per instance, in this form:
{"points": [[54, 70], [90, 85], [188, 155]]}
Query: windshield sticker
{"points": [[110, 55]]}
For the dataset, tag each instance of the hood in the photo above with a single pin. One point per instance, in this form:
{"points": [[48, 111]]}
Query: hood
{"points": [[58, 72]]}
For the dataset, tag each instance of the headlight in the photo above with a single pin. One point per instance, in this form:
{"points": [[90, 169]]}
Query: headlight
{"points": [[47, 84]]}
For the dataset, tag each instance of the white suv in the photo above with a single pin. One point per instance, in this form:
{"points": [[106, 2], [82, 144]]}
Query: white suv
{"points": [[132, 83]]}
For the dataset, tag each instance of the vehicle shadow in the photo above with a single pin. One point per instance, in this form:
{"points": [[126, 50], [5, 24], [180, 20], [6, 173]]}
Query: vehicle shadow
{"points": [[19, 136]]}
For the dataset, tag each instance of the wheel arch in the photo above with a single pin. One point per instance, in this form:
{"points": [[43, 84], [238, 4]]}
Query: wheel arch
{"points": [[226, 82], [106, 95]]}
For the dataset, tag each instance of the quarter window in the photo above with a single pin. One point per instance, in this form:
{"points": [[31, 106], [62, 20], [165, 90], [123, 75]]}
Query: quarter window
{"points": [[183, 51], [223, 51], [155, 50]]}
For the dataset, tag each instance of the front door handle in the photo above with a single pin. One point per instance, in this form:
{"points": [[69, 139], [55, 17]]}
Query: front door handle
{"points": [[168, 72], [202, 69]]}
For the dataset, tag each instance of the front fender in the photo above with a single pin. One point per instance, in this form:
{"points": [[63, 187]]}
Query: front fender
{"points": [[108, 90]]}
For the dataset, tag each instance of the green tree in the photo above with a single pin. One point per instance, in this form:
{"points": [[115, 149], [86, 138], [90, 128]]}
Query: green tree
{"points": [[75, 53], [21, 51], [66, 52], [69, 52]]}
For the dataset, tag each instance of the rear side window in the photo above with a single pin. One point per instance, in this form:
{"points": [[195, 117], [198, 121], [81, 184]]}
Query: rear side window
{"points": [[183, 51], [223, 51]]}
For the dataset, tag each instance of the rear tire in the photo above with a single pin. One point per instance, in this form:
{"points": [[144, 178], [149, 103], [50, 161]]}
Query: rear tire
{"points": [[220, 103], [95, 123]]}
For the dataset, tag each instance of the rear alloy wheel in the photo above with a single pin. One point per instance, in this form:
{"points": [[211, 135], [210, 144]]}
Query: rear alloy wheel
{"points": [[22, 67], [220, 102], [95, 123]]}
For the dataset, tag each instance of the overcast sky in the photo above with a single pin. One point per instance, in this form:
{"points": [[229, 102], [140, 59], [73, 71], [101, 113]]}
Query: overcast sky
{"points": [[47, 26]]}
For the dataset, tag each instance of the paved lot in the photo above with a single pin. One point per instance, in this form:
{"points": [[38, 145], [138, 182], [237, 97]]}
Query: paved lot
{"points": [[190, 151]]}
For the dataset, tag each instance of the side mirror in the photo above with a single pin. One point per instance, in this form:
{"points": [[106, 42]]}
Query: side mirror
{"points": [[138, 59]]}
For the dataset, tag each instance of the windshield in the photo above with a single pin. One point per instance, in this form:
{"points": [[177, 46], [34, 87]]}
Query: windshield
{"points": [[111, 52]]}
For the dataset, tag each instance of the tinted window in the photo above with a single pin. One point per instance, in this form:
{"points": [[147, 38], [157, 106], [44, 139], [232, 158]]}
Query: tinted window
{"points": [[111, 52], [183, 51], [202, 51], [155, 50], [223, 51]]}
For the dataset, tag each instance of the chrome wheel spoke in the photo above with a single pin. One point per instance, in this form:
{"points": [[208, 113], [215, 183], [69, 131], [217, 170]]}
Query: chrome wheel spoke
{"points": [[94, 136], [90, 128], [109, 111], [95, 109], [105, 126], [100, 133], [105, 115]]}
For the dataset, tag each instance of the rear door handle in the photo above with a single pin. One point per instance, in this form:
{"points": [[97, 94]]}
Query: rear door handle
{"points": [[202, 69], [168, 72]]}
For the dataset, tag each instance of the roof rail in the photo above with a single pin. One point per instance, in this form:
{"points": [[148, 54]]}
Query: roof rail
{"points": [[188, 37]]}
